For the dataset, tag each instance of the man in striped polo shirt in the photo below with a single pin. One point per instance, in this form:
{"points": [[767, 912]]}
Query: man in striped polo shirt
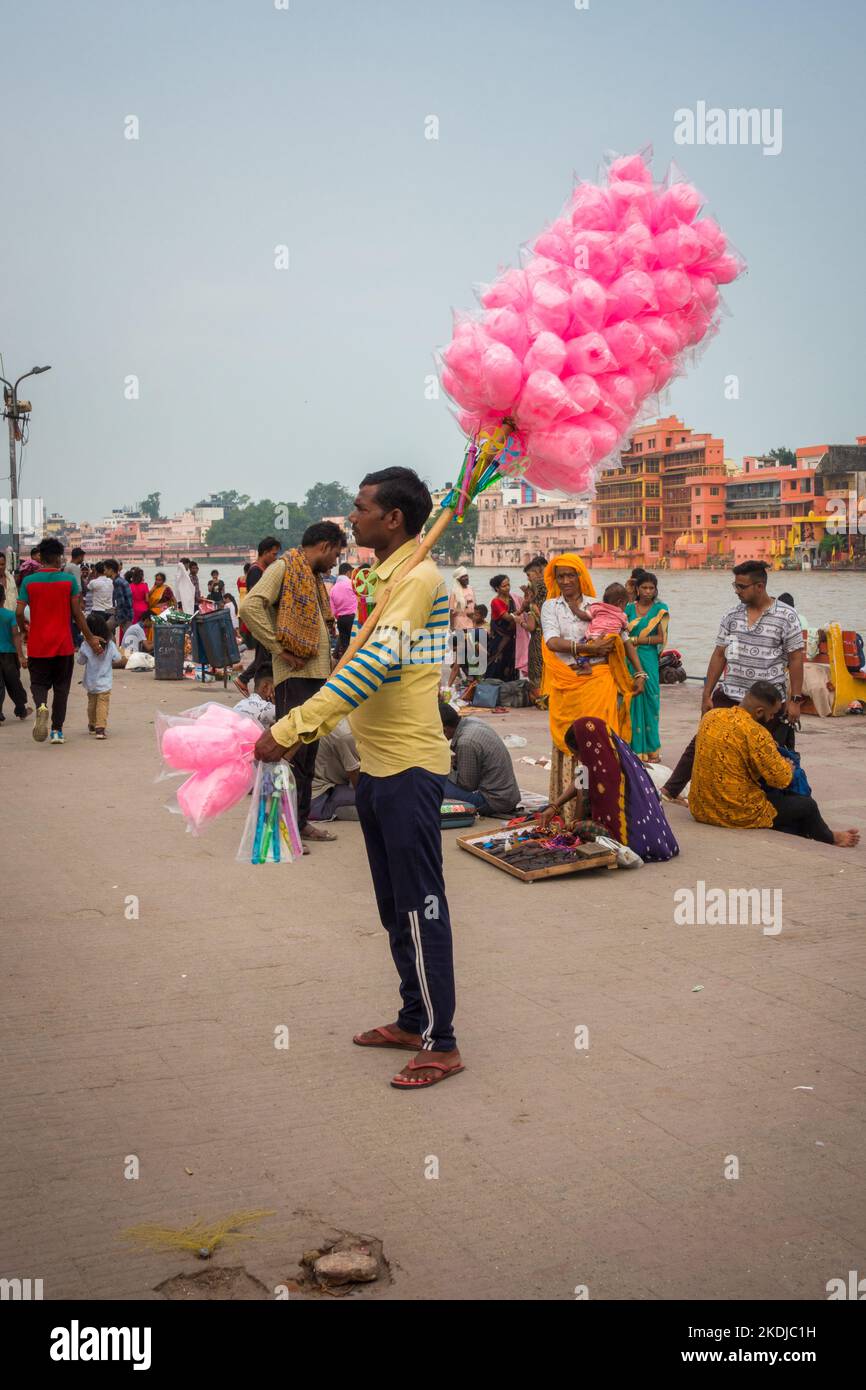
{"points": [[389, 692], [761, 639]]}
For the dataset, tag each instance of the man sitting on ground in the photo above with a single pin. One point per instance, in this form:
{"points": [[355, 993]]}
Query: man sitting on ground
{"points": [[759, 639], [336, 775], [734, 754], [482, 772]]}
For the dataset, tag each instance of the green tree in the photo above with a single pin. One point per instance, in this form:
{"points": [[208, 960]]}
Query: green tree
{"points": [[328, 499], [247, 525], [830, 543], [784, 456], [229, 501], [458, 539], [150, 506], [244, 525]]}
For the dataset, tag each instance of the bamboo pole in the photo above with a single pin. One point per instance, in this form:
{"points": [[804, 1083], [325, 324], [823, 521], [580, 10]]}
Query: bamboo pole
{"points": [[384, 597]]}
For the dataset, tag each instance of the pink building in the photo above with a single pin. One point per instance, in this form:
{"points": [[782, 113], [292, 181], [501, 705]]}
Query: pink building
{"points": [[512, 528]]}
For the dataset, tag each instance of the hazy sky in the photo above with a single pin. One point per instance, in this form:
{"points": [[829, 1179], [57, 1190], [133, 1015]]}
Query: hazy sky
{"points": [[306, 127]]}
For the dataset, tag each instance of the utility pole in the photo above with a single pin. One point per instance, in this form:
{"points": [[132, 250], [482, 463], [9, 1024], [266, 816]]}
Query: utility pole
{"points": [[14, 411]]}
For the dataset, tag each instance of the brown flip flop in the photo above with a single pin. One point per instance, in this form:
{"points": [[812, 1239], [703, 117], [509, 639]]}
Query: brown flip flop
{"points": [[389, 1040], [405, 1083]]}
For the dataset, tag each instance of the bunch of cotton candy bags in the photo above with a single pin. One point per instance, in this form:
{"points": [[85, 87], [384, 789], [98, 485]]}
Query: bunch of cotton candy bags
{"points": [[599, 317], [216, 745]]}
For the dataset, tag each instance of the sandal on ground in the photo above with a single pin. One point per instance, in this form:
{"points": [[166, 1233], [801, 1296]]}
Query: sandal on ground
{"points": [[315, 833], [405, 1083], [388, 1040]]}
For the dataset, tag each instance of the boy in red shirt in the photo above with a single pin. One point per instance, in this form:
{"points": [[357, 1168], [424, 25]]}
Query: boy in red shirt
{"points": [[53, 597]]}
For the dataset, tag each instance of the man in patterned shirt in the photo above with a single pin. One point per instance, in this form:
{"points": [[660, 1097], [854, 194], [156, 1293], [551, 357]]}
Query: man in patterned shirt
{"points": [[741, 780], [759, 640], [389, 691]]}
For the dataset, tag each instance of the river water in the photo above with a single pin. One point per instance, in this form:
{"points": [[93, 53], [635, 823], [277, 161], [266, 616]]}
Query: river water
{"points": [[696, 598]]}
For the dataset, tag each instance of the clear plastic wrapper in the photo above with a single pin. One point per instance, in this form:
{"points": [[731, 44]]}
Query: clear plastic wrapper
{"points": [[271, 834]]}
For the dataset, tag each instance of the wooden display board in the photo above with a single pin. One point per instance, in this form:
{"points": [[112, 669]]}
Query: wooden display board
{"points": [[587, 857]]}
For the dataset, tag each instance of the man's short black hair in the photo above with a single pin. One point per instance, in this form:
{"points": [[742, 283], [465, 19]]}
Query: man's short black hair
{"points": [[766, 692], [346, 568], [268, 544], [76, 551], [324, 533], [789, 599], [112, 565], [402, 490], [755, 568], [50, 548], [448, 714], [538, 562]]}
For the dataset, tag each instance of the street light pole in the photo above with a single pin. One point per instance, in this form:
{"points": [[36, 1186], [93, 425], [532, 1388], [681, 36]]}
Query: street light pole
{"points": [[13, 415]]}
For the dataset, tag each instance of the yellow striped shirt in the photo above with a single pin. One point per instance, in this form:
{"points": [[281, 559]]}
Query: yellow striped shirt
{"points": [[390, 689]]}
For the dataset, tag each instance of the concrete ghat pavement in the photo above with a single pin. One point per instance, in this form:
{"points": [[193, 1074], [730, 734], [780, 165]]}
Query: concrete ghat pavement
{"points": [[557, 1167]]}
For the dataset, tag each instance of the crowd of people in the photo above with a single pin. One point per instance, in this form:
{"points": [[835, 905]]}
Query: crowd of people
{"points": [[374, 735]]}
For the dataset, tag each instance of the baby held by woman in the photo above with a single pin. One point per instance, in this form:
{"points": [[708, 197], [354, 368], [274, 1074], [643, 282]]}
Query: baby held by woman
{"points": [[606, 618]]}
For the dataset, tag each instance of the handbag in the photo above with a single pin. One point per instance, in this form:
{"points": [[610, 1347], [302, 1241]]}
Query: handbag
{"points": [[487, 694]]}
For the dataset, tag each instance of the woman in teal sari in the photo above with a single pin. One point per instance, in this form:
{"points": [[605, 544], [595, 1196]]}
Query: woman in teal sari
{"points": [[648, 628]]}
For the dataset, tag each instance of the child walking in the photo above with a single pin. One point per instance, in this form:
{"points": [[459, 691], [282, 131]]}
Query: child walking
{"points": [[98, 674]]}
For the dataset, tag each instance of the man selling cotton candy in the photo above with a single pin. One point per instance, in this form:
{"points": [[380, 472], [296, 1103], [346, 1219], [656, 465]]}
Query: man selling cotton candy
{"points": [[389, 692]]}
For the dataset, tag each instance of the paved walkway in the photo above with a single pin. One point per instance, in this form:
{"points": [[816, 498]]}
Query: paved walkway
{"points": [[557, 1167]]}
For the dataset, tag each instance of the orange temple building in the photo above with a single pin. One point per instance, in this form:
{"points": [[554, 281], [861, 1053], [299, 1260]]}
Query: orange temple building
{"points": [[674, 502]]}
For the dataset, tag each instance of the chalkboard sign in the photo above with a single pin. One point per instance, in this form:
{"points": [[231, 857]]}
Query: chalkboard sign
{"points": [[168, 640]]}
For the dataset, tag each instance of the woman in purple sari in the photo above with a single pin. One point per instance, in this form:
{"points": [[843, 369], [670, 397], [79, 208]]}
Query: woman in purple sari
{"points": [[620, 792]]}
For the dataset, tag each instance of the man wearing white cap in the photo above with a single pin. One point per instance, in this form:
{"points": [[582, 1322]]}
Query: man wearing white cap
{"points": [[461, 607]]}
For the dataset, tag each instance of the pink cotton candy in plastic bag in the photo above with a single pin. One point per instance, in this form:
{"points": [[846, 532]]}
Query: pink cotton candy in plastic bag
{"points": [[196, 747], [500, 375], [208, 794], [542, 399], [612, 293], [590, 353], [547, 354]]}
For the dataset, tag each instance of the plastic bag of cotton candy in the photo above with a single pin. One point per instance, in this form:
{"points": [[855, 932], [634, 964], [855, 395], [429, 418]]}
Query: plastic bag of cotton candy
{"points": [[215, 746]]}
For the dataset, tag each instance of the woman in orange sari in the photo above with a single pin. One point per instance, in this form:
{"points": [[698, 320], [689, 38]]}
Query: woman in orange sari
{"points": [[601, 689]]}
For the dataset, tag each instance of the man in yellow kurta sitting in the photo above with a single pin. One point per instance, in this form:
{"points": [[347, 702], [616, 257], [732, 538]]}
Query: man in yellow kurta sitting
{"points": [[734, 755]]}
